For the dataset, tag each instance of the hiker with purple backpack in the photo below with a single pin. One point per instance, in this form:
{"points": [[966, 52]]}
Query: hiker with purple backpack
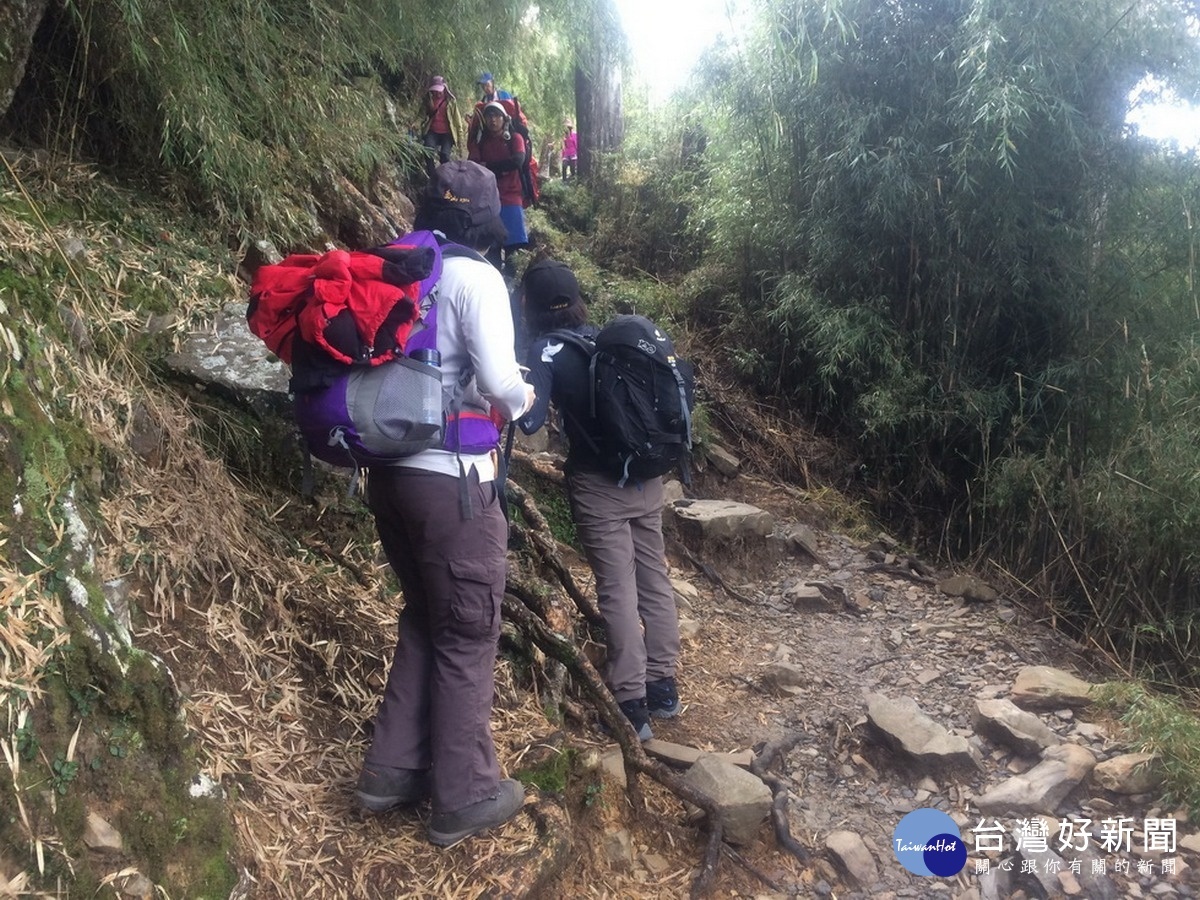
{"points": [[432, 736]]}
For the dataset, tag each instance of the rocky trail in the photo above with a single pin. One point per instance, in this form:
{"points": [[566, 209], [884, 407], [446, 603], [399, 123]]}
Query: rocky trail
{"points": [[914, 689]]}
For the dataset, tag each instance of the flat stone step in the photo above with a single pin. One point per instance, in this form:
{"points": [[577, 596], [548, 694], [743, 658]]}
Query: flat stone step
{"points": [[683, 755]]}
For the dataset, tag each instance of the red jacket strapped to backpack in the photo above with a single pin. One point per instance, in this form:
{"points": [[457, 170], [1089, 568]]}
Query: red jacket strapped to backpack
{"points": [[358, 307]]}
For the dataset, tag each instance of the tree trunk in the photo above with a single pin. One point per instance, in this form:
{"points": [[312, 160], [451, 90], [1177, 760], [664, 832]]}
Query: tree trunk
{"points": [[600, 122]]}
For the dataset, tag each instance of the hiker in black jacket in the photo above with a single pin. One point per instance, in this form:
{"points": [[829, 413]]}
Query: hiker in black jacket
{"points": [[620, 527]]}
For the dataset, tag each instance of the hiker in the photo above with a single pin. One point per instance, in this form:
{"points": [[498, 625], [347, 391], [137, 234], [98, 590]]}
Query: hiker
{"points": [[570, 150], [620, 528], [499, 147], [432, 736], [490, 93], [443, 123], [487, 84]]}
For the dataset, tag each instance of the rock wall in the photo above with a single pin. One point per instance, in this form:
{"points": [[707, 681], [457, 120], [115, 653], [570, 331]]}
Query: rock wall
{"points": [[19, 19]]}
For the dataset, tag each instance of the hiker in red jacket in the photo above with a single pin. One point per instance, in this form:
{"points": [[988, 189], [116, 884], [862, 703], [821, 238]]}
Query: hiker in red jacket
{"points": [[498, 147]]}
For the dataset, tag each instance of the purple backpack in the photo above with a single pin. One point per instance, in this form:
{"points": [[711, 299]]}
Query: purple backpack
{"points": [[369, 415]]}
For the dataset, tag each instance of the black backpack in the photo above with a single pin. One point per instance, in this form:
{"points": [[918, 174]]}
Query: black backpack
{"points": [[641, 399]]}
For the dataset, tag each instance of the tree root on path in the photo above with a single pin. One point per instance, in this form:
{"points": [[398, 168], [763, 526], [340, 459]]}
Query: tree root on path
{"points": [[564, 650], [779, 792], [531, 873]]}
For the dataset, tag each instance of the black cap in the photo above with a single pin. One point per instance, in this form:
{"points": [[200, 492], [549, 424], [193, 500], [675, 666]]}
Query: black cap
{"points": [[550, 285], [462, 184]]}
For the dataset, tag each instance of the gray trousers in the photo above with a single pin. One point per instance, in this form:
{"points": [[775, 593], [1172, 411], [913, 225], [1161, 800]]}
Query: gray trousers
{"points": [[621, 532], [437, 705]]}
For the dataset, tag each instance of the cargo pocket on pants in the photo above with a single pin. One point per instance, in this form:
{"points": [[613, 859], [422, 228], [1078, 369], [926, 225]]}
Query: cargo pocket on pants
{"points": [[478, 586]]}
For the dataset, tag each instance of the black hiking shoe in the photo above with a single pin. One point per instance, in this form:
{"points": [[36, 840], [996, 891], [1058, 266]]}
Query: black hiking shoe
{"points": [[381, 788], [450, 828], [638, 715], [662, 698]]}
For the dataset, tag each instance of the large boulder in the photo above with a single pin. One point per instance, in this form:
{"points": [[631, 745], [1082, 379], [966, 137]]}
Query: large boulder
{"points": [[1042, 788], [1048, 688], [228, 357], [723, 520], [736, 537], [1003, 721]]}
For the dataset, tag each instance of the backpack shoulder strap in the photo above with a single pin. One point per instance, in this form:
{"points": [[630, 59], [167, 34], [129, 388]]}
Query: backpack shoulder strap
{"points": [[452, 250], [453, 401], [584, 343]]}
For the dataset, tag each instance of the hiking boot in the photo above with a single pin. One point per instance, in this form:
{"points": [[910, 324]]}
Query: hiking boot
{"points": [[381, 788], [450, 828], [662, 698], [639, 716]]}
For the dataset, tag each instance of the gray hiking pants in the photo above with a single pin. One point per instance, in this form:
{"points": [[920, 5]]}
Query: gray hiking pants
{"points": [[437, 705], [621, 532]]}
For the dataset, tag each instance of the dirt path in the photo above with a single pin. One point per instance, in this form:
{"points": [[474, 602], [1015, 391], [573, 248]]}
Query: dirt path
{"points": [[897, 636]]}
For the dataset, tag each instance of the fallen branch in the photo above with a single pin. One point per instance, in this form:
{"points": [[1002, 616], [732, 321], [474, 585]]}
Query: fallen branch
{"points": [[906, 571], [541, 465], [878, 662], [753, 870], [322, 549]]}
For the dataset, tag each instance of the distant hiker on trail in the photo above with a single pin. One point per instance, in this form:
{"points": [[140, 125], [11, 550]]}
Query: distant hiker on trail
{"points": [[570, 150], [432, 735], [491, 93], [499, 147], [487, 84], [620, 528], [443, 123]]}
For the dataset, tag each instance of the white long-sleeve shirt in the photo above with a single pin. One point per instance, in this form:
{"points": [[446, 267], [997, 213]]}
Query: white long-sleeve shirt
{"points": [[474, 328]]}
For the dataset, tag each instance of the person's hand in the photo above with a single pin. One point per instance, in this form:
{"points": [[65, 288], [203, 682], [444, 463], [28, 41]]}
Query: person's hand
{"points": [[530, 399]]}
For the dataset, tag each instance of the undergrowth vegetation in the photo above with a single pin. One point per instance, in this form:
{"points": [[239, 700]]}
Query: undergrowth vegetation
{"points": [[90, 724], [1165, 726], [247, 109], [927, 228]]}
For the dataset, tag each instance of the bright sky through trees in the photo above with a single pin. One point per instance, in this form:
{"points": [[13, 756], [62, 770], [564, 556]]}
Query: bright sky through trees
{"points": [[669, 36], [1165, 118]]}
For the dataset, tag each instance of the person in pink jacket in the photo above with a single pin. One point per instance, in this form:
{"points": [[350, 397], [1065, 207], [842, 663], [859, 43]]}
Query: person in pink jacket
{"points": [[570, 151]]}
